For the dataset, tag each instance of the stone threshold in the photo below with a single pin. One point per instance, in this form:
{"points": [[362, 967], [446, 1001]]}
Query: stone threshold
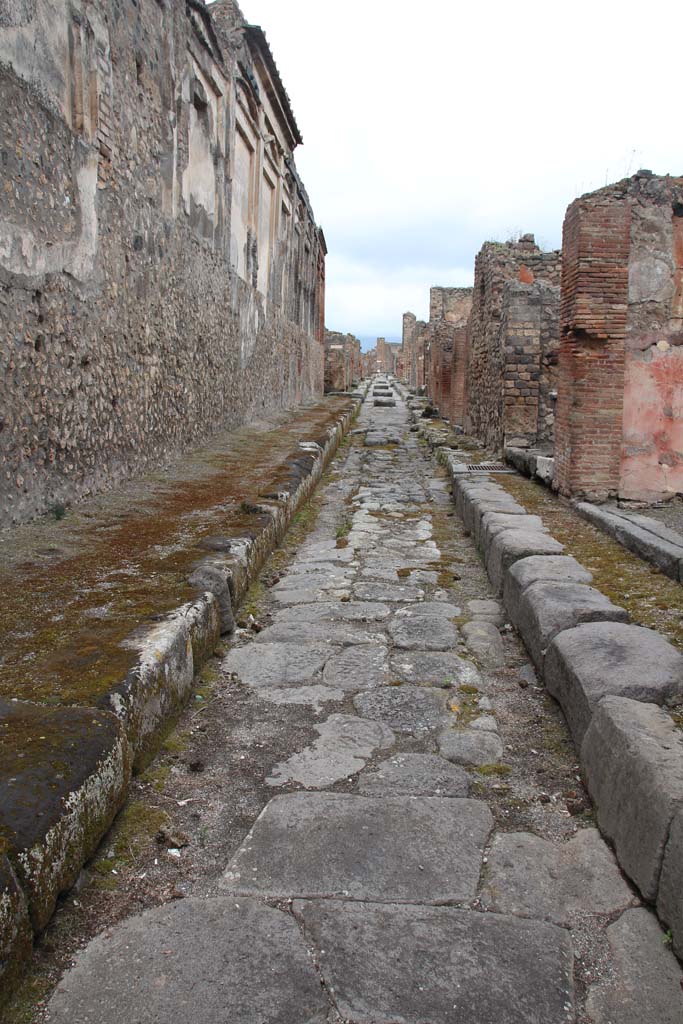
{"points": [[65, 769]]}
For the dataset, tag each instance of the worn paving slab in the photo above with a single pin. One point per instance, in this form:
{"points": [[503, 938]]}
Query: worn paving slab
{"points": [[358, 668], [343, 746], [435, 668], [554, 882], [278, 664], [414, 775], [407, 709], [470, 746], [412, 965], [211, 961], [337, 845]]}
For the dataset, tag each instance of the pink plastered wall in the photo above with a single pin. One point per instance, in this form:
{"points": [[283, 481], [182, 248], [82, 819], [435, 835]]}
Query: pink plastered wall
{"points": [[652, 449]]}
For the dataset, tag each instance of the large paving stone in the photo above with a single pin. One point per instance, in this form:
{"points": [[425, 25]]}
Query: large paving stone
{"points": [[435, 668], [414, 775], [64, 774], [344, 745], [586, 663], [470, 746], [386, 593], [561, 568], [410, 709], [358, 668], [211, 961], [511, 545], [670, 897], [416, 849], [645, 986], [558, 882], [485, 643], [427, 626], [343, 611], [278, 664], [341, 633], [632, 757], [548, 607], [432, 965]]}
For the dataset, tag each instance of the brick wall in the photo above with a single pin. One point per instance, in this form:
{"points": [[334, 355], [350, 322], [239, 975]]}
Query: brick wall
{"points": [[620, 406], [489, 380], [343, 366]]}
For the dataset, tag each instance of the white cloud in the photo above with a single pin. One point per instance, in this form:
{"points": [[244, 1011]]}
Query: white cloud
{"points": [[428, 130]]}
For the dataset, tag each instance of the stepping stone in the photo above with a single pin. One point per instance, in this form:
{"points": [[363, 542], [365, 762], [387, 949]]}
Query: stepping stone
{"points": [[410, 709], [358, 668], [465, 746], [435, 668], [432, 965], [344, 611], [647, 984], [558, 882], [278, 664], [345, 743], [415, 775], [209, 961], [425, 850]]}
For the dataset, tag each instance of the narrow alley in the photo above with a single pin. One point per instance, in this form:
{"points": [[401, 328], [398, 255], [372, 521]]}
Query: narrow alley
{"points": [[377, 815]]}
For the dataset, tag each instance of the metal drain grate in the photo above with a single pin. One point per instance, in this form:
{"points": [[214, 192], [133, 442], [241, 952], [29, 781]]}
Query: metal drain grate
{"points": [[488, 467]]}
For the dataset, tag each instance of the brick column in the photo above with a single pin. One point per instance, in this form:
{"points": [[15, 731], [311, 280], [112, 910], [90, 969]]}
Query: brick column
{"points": [[593, 319]]}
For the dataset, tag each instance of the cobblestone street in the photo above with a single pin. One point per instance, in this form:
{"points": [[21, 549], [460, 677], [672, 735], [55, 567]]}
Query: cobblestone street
{"points": [[384, 817]]}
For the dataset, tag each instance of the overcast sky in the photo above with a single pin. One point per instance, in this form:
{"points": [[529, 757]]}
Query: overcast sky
{"points": [[431, 127]]}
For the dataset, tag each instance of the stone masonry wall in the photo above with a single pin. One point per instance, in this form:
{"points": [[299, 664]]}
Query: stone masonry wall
{"points": [[620, 401], [496, 264], [161, 273], [409, 350], [530, 335], [342, 361], [449, 311]]}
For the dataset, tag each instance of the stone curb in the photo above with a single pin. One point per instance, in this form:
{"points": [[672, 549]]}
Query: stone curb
{"points": [[136, 712], [653, 543], [604, 672]]}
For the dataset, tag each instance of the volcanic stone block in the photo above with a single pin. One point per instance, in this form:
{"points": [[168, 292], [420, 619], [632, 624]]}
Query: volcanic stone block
{"points": [[63, 775], [670, 897], [562, 568], [554, 881], [15, 927], [511, 545], [211, 961], [470, 746], [334, 844], [414, 775], [413, 965], [646, 981], [343, 746], [586, 663], [632, 758], [492, 523], [485, 642], [548, 607]]}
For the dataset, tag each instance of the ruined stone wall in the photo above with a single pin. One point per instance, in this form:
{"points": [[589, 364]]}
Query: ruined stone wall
{"points": [[161, 273], [530, 336], [421, 353], [409, 350], [496, 265], [449, 311], [620, 402], [342, 361]]}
